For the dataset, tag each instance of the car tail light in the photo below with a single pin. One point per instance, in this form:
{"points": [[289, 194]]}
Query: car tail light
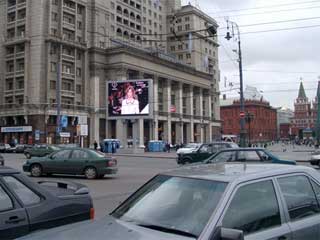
{"points": [[91, 213], [112, 163]]}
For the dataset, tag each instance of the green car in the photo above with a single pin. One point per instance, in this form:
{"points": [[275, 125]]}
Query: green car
{"points": [[40, 150], [72, 161]]}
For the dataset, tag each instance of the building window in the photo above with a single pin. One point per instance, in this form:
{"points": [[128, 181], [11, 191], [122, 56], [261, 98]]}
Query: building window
{"points": [[55, 2], [187, 19], [188, 56], [53, 67], [9, 84], [79, 73], [54, 16], [173, 48], [179, 28], [180, 47], [180, 57], [53, 85], [78, 89], [187, 27]]}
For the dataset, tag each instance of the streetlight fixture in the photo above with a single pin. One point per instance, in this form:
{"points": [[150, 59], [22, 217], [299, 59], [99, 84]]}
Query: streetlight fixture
{"points": [[242, 113]]}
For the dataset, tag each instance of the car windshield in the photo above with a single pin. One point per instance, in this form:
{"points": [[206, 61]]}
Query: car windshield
{"points": [[192, 145], [173, 204], [54, 148]]}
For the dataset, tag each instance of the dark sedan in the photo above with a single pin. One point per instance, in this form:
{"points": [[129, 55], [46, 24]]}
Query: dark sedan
{"points": [[246, 155], [27, 206], [40, 150], [74, 161], [203, 152]]}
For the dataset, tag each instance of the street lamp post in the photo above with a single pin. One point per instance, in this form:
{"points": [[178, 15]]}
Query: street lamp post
{"points": [[242, 119]]}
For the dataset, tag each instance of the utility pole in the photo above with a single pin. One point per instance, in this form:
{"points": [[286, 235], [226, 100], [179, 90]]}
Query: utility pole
{"points": [[318, 113], [242, 108]]}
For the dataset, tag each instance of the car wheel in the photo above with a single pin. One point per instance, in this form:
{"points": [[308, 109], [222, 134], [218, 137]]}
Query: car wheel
{"points": [[28, 155], [36, 170], [90, 173], [186, 161]]}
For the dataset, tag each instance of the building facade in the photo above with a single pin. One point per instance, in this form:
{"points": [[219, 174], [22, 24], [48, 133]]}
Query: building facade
{"points": [[262, 125], [304, 121], [67, 50], [284, 116]]}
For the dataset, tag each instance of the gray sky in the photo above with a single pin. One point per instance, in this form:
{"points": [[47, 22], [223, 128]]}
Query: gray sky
{"points": [[275, 61]]}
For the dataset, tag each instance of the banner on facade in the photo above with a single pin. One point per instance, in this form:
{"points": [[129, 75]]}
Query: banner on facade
{"points": [[83, 130], [64, 121], [16, 129]]}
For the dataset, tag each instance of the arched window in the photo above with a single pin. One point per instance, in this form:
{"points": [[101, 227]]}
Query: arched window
{"points": [[132, 36], [119, 32], [132, 16], [126, 12], [138, 18], [139, 39], [125, 34], [119, 9]]}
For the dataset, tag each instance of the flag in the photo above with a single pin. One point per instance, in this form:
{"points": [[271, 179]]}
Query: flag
{"points": [[190, 42]]}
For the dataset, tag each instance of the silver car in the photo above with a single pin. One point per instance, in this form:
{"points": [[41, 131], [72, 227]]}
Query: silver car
{"points": [[228, 201]]}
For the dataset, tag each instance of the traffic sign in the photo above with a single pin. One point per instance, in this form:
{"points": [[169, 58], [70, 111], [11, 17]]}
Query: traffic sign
{"points": [[242, 114]]}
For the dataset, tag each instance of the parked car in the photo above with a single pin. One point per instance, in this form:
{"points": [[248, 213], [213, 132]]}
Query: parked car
{"points": [[75, 161], [1, 160], [212, 202], [26, 206], [315, 158], [19, 148], [203, 152], [246, 155], [40, 150], [188, 148], [4, 147]]}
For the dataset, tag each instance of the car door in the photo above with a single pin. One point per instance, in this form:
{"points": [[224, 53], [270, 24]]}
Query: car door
{"points": [[59, 161], [77, 161], [301, 205], [204, 152], [13, 218], [255, 209]]}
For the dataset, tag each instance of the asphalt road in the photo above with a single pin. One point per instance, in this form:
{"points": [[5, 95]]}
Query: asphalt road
{"points": [[107, 193]]}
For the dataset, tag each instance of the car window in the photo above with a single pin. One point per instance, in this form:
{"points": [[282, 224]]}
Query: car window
{"points": [[300, 198], [25, 194], [204, 149], [316, 189], [224, 157], [62, 154], [79, 154], [248, 156], [264, 156], [254, 208], [5, 201]]}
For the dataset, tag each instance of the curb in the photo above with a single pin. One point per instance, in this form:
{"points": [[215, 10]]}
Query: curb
{"points": [[143, 156]]}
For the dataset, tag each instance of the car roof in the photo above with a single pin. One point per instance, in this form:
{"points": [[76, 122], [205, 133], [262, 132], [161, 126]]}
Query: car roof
{"points": [[241, 149], [8, 170], [228, 172]]}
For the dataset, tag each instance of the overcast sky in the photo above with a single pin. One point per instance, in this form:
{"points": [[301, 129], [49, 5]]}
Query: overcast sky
{"points": [[273, 62]]}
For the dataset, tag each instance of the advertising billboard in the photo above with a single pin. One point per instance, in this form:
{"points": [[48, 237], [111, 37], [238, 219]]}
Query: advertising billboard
{"points": [[129, 98]]}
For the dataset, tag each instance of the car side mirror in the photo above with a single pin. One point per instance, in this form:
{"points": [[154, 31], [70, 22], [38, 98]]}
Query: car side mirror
{"points": [[227, 234]]}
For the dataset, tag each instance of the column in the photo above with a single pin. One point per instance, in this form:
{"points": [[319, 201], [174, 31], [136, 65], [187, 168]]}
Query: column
{"points": [[121, 132], [94, 117], [209, 99], [190, 131], [179, 125], [141, 132], [202, 125], [156, 109], [167, 97]]}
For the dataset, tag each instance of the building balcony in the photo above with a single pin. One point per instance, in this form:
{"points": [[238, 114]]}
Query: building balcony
{"points": [[68, 57], [68, 75], [22, 5], [70, 26], [11, 9], [11, 24], [66, 93], [19, 92], [19, 73], [9, 56], [9, 74], [21, 22], [20, 55], [69, 9]]}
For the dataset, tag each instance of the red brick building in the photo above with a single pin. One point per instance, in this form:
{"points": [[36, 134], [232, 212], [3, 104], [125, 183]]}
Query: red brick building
{"points": [[305, 116], [284, 131], [263, 126]]}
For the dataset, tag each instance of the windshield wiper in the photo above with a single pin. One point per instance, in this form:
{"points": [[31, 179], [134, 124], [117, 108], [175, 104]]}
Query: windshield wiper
{"points": [[168, 230]]}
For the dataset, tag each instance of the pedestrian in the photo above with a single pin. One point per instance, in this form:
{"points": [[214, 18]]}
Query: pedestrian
{"points": [[113, 147], [95, 145]]}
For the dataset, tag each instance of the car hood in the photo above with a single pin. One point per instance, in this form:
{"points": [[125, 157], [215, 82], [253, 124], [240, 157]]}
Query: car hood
{"points": [[105, 228]]}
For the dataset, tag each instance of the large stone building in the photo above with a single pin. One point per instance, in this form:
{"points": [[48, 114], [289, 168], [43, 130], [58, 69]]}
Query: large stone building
{"points": [[303, 124], [284, 116], [79, 45], [261, 118]]}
